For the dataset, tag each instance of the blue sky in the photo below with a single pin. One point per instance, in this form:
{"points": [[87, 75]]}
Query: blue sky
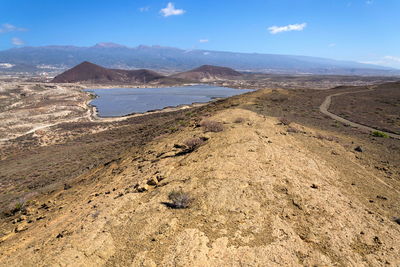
{"points": [[359, 30]]}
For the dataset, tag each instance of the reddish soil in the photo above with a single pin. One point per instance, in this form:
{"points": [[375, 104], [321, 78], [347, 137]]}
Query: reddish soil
{"points": [[89, 72]]}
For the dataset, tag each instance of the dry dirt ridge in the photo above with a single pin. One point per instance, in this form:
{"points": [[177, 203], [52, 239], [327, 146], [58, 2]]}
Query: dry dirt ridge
{"points": [[262, 197]]}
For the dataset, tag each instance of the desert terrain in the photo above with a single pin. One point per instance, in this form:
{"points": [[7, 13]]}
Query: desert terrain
{"points": [[270, 180]]}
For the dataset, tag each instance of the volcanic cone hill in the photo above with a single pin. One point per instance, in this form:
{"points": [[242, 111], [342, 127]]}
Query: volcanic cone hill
{"points": [[207, 73], [92, 73]]}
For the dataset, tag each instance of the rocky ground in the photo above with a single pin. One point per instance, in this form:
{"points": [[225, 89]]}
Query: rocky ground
{"points": [[29, 106], [264, 191]]}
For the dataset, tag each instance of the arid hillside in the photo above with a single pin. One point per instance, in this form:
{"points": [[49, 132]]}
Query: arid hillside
{"points": [[92, 73], [208, 73], [230, 186]]}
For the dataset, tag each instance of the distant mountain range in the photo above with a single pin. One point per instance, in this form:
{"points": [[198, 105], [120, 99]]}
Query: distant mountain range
{"points": [[168, 59], [87, 72]]}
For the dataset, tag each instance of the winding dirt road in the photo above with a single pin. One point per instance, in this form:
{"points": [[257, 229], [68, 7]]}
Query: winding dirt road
{"points": [[327, 102]]}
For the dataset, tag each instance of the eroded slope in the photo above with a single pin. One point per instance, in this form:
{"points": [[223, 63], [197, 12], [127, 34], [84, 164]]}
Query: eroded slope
{"points": [[263, 197]]}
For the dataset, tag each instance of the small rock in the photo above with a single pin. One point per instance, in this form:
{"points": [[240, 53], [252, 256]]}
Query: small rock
{"points": [[152, 181], [381, 197], [21, 227], [143, 188], [359, 149], [67, 186], [314, 186]]}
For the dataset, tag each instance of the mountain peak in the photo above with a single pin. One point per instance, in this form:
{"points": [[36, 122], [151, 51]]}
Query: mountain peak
{"points": [[108, 45], [88, 72]]}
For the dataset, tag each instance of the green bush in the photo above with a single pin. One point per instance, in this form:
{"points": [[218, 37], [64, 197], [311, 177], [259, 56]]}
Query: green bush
{"points": [[379, 134]]}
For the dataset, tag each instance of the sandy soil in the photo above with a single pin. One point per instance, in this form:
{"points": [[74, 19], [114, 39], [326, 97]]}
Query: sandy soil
{"points": [[263, 196]]}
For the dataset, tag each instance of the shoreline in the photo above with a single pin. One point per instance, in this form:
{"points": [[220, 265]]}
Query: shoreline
{"points": [[94, 110], [95, 117]]}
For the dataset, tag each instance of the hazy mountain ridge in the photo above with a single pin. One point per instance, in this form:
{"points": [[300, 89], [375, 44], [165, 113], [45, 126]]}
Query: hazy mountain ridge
{"points": [[174, 59]]}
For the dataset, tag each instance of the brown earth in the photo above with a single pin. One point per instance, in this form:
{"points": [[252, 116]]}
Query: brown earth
{"points": [[265, 194], [379, 108], [28, 106], [207, 73], [92, 73]]}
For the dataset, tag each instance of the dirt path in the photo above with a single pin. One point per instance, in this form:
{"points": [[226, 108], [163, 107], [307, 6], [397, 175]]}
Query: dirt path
{"points": [[327, 102]]}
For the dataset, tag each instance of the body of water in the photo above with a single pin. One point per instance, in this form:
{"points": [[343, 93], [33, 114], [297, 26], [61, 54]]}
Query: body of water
{"points": [[123, 101]]}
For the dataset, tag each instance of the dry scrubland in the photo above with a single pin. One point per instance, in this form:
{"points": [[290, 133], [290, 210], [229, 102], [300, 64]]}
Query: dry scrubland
{"points": [[26, 107], [262, 179]]}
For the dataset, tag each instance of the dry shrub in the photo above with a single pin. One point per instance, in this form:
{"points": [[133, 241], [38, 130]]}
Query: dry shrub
{"points": [[284, 121], [212, 126], [179, 200], [239, 120], [325, 137], [278, 98], [293, 130], [193, 143]]}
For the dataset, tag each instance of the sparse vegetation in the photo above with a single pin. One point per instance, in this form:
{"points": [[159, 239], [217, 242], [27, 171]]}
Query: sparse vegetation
{"points": [[193, 143], [284, 121], [325, 137], [379, 134], [212, 126], [239, 120], [293, 130], [14, 208], [179, 200]]}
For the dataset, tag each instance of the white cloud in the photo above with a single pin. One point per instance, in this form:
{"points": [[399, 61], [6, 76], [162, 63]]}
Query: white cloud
{"points": [[392, 58], [6, 65], [17, 41], [388, 61], [10, 28], [144, 9], [203, 41], [332, 45], [287, 28], [170, 10]]}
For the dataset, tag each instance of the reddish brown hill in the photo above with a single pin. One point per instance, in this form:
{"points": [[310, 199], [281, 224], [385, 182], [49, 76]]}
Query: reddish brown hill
{"points": [[92, 73], [208, 72]]}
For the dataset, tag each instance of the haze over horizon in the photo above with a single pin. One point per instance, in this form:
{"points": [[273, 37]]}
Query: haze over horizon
{"points": [[355, 30]]}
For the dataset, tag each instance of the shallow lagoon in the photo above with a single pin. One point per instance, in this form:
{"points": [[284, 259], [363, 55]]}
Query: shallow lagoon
{"points": [[124, 101]]}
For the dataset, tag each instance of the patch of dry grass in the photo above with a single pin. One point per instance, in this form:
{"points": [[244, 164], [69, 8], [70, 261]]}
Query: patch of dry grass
{"points": [[212, 126]]}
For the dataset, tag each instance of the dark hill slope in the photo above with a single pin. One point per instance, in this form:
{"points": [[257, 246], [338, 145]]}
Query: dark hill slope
{"points": [[92, 73], [208, 72]]}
